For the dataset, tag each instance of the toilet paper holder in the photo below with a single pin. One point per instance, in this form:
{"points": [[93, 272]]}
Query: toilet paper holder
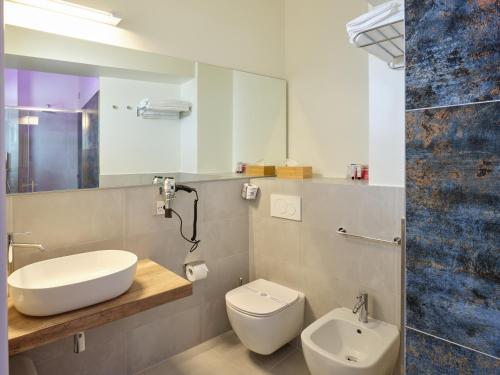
{"points": [[196, 275], [193, 263]]}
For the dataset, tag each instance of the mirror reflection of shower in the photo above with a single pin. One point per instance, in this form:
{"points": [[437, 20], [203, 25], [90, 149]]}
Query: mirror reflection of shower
{"points": [[52, 126]]}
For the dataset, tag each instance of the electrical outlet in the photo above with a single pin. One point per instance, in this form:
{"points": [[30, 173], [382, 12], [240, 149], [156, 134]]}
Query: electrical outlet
{"points": [[159, 208]]}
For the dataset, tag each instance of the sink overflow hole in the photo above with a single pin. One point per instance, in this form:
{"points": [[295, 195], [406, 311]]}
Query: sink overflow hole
{"points": [[351, 358], [358, 331]]}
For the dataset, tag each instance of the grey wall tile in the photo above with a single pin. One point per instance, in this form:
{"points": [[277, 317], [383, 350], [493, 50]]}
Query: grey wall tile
{"points": [[222, 200], [79, 221], [59, 220], [221, 238], [224, 274], [277, 238], [28, 256], [214, 319], [331, 269], [162, 338], [105, 358]]}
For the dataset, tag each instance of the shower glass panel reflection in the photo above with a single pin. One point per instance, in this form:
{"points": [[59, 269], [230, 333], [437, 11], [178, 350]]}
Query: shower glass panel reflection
{"points": [[51, 148]]}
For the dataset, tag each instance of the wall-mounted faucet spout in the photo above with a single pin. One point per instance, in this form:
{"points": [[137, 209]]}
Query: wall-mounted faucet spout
{"points": [[362, 307], [12, 245]]}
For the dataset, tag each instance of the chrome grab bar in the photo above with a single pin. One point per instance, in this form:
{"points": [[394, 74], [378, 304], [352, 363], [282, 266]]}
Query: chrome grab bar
{"points": [[395, 241]]}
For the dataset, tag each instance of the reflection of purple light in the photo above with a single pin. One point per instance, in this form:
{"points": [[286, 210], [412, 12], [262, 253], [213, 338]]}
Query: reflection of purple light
{"points": [[10, 83], [29, 88], [44, 109]]}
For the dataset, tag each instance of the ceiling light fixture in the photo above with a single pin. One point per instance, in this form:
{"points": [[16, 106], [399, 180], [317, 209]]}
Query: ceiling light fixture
{"points": [[74, 10]]}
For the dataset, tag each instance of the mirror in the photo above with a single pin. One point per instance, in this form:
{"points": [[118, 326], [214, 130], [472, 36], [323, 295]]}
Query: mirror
{"points": [[84, 115]]}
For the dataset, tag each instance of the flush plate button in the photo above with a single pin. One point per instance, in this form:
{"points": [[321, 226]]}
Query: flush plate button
{"points": [[286, 206]]}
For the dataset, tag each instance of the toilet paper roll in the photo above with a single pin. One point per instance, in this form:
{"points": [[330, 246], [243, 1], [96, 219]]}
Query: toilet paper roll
{"points": [[195, 272]]}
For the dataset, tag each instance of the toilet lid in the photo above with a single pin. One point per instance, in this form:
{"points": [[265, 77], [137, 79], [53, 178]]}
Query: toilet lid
{"points": [[261, 298]]}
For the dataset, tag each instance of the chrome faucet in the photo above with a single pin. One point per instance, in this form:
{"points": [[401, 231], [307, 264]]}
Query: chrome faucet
{"points": [[12, 245], [362, 307]]}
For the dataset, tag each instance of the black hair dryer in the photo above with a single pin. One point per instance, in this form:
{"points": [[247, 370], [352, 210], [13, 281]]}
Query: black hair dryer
{"points": [[168, 191]]}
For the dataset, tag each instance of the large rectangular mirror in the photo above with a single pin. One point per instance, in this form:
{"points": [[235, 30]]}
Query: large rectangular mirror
{"points": [[88, 115]]}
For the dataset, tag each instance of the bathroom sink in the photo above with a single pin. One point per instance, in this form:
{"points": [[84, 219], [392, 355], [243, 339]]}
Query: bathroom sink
{"points": [[339, 344], [71, 282]]}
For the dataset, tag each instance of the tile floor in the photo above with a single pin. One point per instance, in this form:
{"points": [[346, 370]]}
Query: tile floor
{"points": [[225, 355]]}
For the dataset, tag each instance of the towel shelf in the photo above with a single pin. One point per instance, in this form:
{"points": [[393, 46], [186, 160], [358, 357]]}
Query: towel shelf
{"points": [[384, 41], [173, 109], [395, 241]]}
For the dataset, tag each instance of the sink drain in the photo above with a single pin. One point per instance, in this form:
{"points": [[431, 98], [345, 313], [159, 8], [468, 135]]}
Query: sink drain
{"points": [[351, 358]]}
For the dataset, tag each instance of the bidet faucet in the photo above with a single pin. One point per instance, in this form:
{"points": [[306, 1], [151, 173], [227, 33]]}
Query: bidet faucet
{"points": [[11, 252], [362, 307]]}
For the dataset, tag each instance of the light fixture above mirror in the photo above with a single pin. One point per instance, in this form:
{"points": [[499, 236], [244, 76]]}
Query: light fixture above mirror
{"points": [[72, 10]]}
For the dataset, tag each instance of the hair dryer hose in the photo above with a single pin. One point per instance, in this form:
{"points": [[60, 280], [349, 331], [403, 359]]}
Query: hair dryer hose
{"points": [[195, 218]]}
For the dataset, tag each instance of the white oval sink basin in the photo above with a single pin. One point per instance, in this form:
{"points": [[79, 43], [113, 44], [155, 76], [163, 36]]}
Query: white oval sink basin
{"points": [[339, 344], [71, 282]]}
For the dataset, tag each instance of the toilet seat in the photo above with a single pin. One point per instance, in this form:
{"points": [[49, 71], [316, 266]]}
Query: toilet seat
{"points": [[261, 298]]}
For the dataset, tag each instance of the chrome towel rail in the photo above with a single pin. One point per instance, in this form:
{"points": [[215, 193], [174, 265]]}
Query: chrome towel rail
{"points": [[395, 241]]}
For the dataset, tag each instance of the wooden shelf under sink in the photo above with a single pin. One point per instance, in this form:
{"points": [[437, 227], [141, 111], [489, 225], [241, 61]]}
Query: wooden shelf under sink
{"points": [[153, 285]]}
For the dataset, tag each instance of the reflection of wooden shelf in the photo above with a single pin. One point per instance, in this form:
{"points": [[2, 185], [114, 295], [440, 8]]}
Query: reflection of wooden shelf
{"points": [[260, 171], [154, 285], [294, 172]]}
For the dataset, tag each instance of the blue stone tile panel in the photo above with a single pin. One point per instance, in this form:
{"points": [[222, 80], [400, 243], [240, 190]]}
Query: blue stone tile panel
{"points": [[452, 52], [453, 224], [426, 355]]}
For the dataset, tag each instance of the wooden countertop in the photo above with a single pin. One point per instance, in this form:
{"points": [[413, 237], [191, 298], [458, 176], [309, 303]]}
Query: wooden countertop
{"points": [[154, 285]]}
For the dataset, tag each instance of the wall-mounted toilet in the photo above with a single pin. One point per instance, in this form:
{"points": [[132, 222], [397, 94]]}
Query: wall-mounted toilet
{"points": [[265, 315]]}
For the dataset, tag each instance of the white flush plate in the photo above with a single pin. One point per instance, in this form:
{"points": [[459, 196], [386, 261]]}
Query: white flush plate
{"points": [[286, 206]]}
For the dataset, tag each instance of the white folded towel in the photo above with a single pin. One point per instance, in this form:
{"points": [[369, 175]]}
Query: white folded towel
{"points": [[153, 109], [375, 16]]}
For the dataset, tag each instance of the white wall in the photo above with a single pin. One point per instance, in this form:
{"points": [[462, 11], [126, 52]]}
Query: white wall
{"points": [[327, 86], [241, 34], [215, 119], [386, 121], [130, 144], [259, 119], [189, 129], [387, 124], [237, 117]]}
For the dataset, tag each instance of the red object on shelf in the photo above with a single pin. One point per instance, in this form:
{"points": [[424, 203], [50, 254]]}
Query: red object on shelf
{"points": [[364, 173]]}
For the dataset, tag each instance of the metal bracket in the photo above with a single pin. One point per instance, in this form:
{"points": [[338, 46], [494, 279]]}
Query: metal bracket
{"points": [[79, 342]]}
